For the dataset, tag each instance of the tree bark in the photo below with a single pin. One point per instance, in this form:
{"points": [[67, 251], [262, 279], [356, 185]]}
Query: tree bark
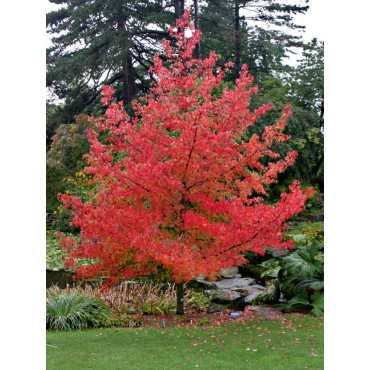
{"points": [[180, 299], [237, 36], [128, 72], [196, 24], [179, 8]]}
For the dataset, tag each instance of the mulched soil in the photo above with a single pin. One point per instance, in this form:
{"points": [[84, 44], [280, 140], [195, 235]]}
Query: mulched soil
{"points": [[196, 317]]}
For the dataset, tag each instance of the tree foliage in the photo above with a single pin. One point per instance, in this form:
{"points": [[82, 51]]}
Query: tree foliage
{"points": [[180, 186]]}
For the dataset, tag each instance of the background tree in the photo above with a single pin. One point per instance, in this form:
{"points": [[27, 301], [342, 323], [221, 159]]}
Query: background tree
{"points": [[102, 42], [64, 165], [234, 28], [180, 185]]}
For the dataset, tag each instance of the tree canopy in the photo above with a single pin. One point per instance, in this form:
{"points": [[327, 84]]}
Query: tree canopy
{"points": [[179, 185]]}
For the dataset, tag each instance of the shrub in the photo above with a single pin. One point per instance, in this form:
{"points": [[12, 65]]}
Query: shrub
{"points": [[301, 278], [67, 310], [54, 260]]}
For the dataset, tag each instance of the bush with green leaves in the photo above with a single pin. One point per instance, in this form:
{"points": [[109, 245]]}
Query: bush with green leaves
{"points": [[298, 276], [301, 278], [311, 230], [54, 254], [67, 310], [54, 259]]}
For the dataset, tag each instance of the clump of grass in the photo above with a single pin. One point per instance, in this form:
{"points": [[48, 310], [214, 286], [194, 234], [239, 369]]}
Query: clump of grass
{"points": [[67, 310]]}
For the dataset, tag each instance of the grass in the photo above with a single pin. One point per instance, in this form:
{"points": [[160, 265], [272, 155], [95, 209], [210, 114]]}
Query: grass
{"points": [[297, 342]]}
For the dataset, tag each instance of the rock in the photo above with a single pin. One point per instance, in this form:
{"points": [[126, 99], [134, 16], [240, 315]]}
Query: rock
{"points": [[234, 292], [230, 273], [227, 298], [278, 253], [205, 283], [222, 295], [253, 293], [234, 284], [214, 307], [316, 217]]}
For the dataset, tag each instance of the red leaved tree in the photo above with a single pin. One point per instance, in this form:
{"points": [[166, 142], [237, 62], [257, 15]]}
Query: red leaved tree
{"points": [[179, 186]]}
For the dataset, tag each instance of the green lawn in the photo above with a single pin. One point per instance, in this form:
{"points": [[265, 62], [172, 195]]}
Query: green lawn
{"points": [[296, 343]]}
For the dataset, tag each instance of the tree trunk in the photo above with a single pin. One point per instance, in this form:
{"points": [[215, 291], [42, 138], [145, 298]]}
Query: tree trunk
{"points": [[180, 299], [128, 71], [196, 24], [237, 36], [179, 8]]}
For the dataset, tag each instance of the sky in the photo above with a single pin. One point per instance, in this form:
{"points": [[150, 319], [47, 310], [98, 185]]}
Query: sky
{"points": [[314, 20]]}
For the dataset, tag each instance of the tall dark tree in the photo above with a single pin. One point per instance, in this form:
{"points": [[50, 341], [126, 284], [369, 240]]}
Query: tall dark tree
{"points": [[231, 26], [302, 87], [98, 42]]}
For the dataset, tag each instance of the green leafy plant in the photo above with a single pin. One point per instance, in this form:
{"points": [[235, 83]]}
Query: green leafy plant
{"points": [[301, 278], [54, 260], [270, 268], [67, 310], [54, 253], [312, 230], [198, 300]]}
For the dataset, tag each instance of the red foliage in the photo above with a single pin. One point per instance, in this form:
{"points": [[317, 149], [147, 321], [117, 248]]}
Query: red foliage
{"points": [[177, 185]]}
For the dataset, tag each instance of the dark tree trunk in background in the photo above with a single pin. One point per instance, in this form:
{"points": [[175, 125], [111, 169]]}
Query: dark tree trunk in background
{"points": [[128, 80], [196, 23], [179, 8], [128, 72], [180, 299], [237, 37]]}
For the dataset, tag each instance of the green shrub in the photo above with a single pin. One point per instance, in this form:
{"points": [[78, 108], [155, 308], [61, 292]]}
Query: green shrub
{"points": [[67, 310], [312, 230], [198, 300], [54, 260], [301, 278]]}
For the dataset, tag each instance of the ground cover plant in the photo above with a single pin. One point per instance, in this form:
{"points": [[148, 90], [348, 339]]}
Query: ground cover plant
{"points": [[294, 342]]}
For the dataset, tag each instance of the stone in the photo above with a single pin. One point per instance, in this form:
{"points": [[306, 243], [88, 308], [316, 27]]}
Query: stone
{"points": [[230, 273], [253, 293], [278, 253], [222, 295], [234, 284]]}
